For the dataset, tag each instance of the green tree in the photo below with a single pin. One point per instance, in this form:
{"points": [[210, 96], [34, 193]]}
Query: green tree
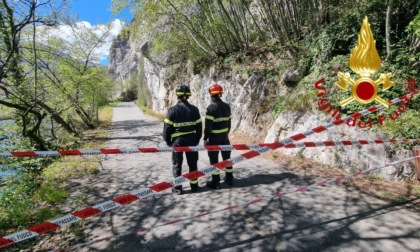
{"points": [[15, 18], [45, 77], [70, 66]]}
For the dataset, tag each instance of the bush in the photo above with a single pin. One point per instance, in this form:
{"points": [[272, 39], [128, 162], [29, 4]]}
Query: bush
{"points": [[128, 95]]}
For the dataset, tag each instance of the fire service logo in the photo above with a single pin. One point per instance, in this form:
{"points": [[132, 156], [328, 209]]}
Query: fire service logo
{"points": [[365, 62]]}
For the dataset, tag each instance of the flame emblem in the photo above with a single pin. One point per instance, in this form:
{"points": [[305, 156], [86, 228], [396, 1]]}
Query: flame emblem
{"points": [[365, 61]]}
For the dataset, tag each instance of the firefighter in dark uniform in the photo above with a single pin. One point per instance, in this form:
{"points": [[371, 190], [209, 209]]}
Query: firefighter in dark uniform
{"points": [[183, 127], [216, 131]]}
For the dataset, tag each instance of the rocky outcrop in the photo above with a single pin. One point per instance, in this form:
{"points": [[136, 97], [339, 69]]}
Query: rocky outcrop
{"points": [[123, 58], [249, 97], [247, 94], [350, 158]]}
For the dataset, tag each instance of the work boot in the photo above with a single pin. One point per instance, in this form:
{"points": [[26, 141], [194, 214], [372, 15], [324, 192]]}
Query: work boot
{"points": [[229, 178], [214, 183], [177, 190], [194, 188]]}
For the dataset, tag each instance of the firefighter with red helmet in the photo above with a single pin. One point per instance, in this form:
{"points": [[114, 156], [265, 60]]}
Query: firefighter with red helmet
{"points": [[216, 131], [183, 127]]}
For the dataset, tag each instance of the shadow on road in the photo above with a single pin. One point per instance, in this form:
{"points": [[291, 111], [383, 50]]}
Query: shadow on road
{"points": [[295, 222], [333, 238], [330, 218], [260, 179]]}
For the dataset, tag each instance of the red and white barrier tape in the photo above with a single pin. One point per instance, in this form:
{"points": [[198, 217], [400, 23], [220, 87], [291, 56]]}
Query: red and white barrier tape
{"points": [[278, 195], [198, 148], [159, 187]]}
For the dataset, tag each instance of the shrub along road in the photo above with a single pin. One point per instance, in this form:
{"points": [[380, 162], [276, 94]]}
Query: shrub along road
{"points": [[331, 218]]}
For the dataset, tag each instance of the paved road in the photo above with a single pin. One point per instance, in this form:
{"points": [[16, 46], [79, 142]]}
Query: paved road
{"points": [[331, 218]]}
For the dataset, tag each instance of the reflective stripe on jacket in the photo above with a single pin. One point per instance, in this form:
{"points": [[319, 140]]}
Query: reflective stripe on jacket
{"points": [[218, 118], [182, 119]]}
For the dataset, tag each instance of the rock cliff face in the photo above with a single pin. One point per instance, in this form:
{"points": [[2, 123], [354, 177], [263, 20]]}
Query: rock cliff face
{"points": [[351, 158], [249, 96], [123, 58]]}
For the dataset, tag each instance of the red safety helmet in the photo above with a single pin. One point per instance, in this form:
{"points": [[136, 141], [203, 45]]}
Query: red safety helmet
{"points": [[216, 89]]}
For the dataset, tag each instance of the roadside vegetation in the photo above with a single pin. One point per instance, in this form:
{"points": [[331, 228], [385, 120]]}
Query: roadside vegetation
{"points": [[267, 38], [32, 197], [54, 95], [51, 86]]}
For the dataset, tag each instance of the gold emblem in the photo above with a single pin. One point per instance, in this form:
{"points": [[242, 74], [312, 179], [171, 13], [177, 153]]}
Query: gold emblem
{"points": [[365, 61]]}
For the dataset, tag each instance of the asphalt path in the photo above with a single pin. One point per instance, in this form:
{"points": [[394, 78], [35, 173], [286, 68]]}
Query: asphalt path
{"points": [[331, 218]]}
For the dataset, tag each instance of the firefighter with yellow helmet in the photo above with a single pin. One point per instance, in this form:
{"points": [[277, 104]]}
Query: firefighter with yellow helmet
{"points": [[183, 127]]}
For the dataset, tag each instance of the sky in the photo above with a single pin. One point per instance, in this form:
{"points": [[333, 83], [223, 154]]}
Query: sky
{"points": [[94, 14], [97, 11]]}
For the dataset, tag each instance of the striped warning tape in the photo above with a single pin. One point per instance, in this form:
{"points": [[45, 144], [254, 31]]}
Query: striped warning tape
{"points": [[159, 187], [199, 148], [246, 203]]}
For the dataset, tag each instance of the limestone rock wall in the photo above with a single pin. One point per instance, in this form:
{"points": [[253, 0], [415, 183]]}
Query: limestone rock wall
{"points": [[350, 158], [249, 96]]}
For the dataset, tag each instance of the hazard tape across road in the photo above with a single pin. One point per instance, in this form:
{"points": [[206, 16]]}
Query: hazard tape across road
{"points": [[162, 186], [199, 148], [246, 203]]}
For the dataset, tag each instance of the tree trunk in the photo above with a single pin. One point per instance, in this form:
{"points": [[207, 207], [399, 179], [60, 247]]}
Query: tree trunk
{"points": [[35, 134], [388, 27], [195, 35], [226, 14]]}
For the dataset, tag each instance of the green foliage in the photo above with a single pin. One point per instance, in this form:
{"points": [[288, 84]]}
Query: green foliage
{"points": [[54, 89], [52, 84], [340, 38], [5, 112], [17, 207], [132, 89], [318, 43], [414, 188], [278, 106], [143, 100], [414, 25], [295, 101], [12, 140], [124, 33], [31, 197], [129, 95], [407, 125], [119, 5], [300, 102], [193, 30], [50, 193]]}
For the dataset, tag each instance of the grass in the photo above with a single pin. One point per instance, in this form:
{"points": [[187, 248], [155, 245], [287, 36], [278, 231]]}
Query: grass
{"points": [[105, 115], [20, 205], [375, 176], [299, 158], [416, 189], [150, 112], [51, 193], [34, 198], [155, 114], [68, 167]]}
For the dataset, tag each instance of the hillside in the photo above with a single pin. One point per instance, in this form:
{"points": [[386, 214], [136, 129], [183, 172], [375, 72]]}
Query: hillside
{"points": [[268, 56]]}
